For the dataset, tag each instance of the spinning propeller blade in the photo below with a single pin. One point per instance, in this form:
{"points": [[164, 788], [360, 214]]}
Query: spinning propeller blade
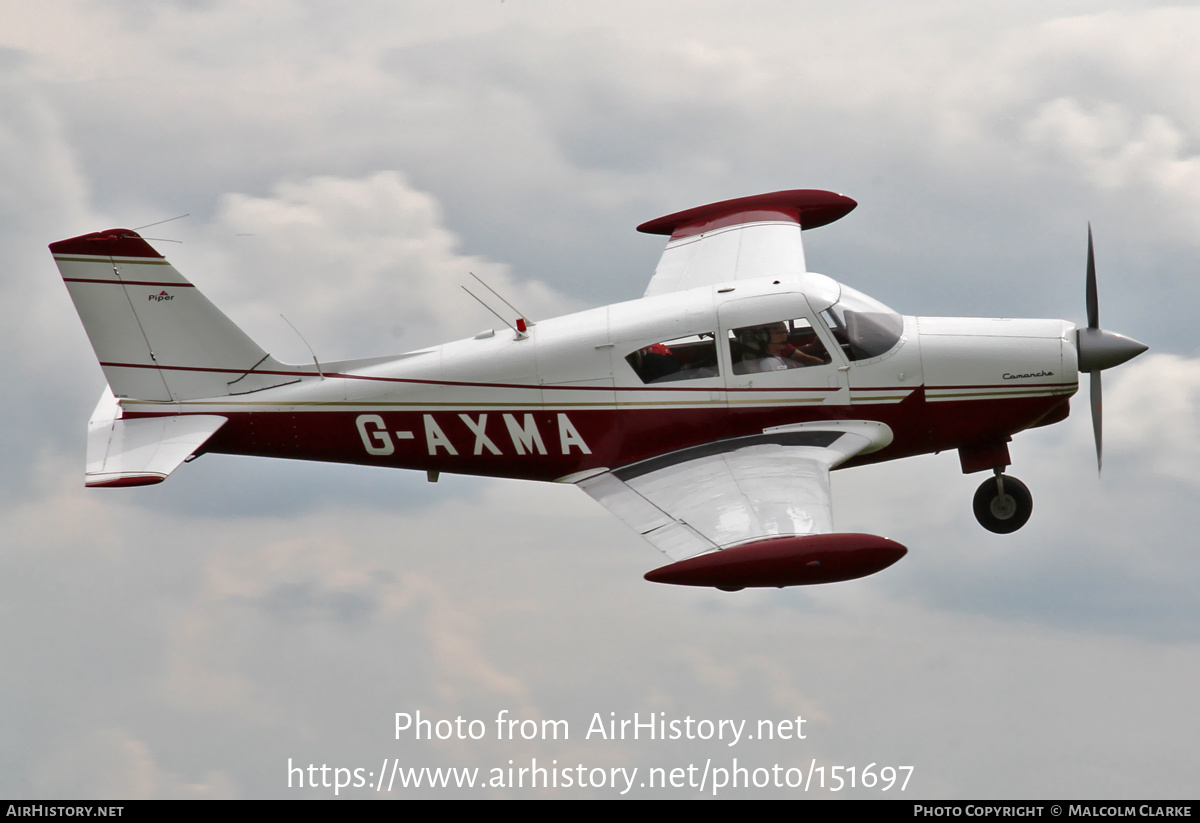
{"points": [[1093, 300], [1099, 349]]}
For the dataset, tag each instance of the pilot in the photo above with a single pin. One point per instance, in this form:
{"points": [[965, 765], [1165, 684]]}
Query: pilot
{"points": [[785, 351], [767, 349]]}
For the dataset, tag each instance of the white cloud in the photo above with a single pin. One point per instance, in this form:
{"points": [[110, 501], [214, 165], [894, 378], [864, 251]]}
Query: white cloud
{"points": [[1152, 417], [1118, 150], [361, 266]]}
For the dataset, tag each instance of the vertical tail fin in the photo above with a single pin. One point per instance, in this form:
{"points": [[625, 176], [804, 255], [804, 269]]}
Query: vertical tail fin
{"points": [[156, 336]]}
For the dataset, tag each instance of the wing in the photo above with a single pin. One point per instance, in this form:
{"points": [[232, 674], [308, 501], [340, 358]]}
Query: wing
{"points": [[756, 236], [749, 511]]}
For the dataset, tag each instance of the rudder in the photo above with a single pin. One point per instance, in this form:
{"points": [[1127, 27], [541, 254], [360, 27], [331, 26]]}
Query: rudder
{"points": [[157, 337]]}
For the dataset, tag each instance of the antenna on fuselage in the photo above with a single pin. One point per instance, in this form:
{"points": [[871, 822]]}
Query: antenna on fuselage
{"points": [[521, 316], [522, 323], [310, 348], [520, 334]]}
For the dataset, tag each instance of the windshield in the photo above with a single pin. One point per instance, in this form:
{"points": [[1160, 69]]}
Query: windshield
{"points": [[865, 327]]}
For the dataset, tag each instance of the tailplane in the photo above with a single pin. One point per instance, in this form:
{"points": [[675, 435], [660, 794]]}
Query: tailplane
{"points": [[141, 451], [156, 336]]}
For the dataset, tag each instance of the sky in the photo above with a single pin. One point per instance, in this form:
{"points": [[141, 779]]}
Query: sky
{"points": [[347, 165]]}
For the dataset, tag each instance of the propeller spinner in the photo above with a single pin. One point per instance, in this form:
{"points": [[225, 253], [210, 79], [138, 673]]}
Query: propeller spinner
{"points": [[1099, 349]]}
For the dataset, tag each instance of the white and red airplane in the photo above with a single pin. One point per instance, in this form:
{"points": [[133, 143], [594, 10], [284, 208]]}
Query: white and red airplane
{"points": [[707, 415]]}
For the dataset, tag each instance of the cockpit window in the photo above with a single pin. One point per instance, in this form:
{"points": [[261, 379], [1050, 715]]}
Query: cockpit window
{"points": [[685, 358], [862, 325], [786, 344]]}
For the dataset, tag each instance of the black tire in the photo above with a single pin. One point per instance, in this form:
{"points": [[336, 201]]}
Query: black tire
{"points": [[1003, 515]]}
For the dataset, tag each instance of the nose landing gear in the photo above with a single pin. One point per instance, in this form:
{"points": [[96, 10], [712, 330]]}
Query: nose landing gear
{"points": [[1003, 504]]}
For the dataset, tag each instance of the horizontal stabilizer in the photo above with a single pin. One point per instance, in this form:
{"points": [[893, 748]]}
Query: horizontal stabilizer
{"points": [[141, 451]]}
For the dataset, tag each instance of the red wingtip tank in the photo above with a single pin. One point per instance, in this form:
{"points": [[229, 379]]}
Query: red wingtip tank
{"points": [[785, 561]]}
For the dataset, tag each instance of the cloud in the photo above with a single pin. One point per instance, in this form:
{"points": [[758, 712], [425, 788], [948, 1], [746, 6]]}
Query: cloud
{"points": [[1117, 150], [1152, 416], [366, 266]]}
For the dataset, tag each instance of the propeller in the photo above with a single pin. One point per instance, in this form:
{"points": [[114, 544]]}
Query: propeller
{"points": [[1099, 349]]}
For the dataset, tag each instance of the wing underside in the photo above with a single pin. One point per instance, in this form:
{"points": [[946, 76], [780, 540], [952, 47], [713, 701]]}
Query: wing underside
{"points": [[743, 497]]}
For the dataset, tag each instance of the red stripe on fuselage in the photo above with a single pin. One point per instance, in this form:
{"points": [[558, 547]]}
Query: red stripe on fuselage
{"points": [[538, 444]]}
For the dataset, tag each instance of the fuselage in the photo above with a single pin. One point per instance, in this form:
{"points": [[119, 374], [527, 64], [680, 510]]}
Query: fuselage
{"points": [[614, 385]]}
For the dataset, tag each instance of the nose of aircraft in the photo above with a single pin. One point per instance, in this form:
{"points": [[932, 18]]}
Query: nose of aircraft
{"points": [[1099, 349]]}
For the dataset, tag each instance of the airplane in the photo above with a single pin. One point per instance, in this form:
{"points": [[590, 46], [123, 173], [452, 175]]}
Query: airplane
{"points": [[707, 414]]}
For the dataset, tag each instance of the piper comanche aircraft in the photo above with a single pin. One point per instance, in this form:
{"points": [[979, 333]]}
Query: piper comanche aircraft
{"points": [[707, 415]]}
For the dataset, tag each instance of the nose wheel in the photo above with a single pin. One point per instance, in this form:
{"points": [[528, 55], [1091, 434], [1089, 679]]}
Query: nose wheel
{"points": [[1003, 504]]}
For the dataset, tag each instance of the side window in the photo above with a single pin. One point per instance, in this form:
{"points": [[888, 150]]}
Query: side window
{"points": [[786, 344], [685, 358]]}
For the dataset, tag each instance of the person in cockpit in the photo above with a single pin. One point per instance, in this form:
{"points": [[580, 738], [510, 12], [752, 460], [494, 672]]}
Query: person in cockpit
{"points": [[766, 348]]}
